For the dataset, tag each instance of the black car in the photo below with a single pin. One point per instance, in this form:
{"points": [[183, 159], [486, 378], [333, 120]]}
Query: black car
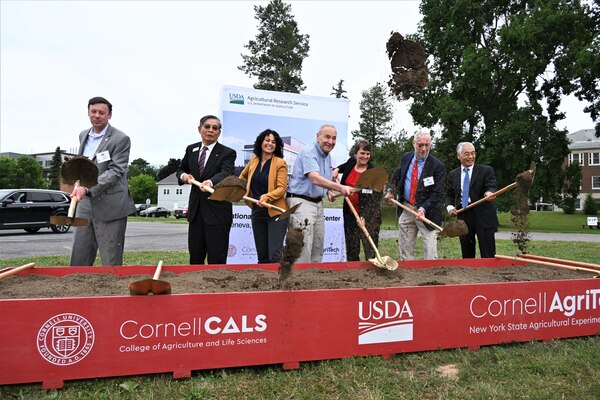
{"points": [[139, 208], [31, 209], [155, 212]]}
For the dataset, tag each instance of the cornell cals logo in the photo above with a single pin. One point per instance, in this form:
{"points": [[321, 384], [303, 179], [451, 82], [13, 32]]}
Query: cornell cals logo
{"points": [[65, 339]]}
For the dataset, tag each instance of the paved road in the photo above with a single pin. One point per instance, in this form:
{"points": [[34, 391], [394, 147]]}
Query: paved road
{"points": [[161, 236]]}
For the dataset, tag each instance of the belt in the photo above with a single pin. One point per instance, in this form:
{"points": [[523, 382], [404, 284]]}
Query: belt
{"points": [[301, 196]]}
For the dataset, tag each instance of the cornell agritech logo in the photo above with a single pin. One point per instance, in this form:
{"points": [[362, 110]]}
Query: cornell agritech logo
{"points": [[65, 339], [384, 321], [235, 98]]}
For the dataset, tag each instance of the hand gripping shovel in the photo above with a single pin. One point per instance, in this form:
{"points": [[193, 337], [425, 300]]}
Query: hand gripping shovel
{"points": [[14, 271], [452, 229], [150, 286], [523, 181], [70, 218], [233, 189]]}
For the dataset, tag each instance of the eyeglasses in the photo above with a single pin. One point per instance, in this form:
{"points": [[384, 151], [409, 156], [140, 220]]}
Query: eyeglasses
{"points": [[423, 145], [214, 127]]}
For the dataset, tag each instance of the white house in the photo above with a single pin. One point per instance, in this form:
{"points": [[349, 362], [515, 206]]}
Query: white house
{"points": [[171, 195]]}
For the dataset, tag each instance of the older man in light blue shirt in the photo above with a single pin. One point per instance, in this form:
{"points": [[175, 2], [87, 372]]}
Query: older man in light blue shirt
{"points": [[311, 179]]}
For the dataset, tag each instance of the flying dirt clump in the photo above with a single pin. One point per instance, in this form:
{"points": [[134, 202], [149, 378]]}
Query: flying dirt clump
{"points": [[409, 69], [520, 211], [290, 253]]}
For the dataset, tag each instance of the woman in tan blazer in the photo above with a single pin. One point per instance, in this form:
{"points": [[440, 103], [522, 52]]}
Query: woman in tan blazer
{"points": [[266, 174]]}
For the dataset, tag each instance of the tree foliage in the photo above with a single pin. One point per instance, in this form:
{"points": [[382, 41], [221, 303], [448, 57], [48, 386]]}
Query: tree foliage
{"points": [[140, 166], [390, 150], [498, 71], [338, 91], [376, 114], [54, 173], [277, 53], [168, 169], [143, 187], [570, 177], [589, 205], [23, 172]]}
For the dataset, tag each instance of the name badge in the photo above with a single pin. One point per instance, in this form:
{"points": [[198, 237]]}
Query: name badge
{"points": [[195, 149], [367, 191], [103, 157], [428, 181]]}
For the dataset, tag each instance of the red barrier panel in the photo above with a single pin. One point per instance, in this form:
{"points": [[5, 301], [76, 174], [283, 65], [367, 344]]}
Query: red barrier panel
{"points": [[52, 340]]}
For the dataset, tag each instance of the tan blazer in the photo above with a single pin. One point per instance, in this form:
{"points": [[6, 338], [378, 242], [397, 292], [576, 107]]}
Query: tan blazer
{"points": [[277, 187]]}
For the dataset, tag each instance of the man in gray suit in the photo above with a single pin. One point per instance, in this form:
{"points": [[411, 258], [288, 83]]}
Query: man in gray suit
{"points": [[107, 204]]}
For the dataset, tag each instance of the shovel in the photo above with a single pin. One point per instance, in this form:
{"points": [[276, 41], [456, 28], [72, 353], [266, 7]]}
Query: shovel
{"points": [[524, 180], [235, 191], [150, 286], [80, 169], [452, 229], [70, 218], [16, 270], [381, 262], [550, 264], [374, 178]]}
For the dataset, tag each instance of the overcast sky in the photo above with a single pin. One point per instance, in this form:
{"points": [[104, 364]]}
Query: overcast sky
{"points": [[162, 65]]}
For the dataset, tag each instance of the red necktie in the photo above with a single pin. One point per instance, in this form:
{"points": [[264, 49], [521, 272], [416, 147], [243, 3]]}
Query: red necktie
{"points": [[414, 182]]}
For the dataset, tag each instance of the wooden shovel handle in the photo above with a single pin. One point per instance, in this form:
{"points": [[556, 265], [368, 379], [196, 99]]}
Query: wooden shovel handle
{"points": [[495, 194], [416, 214], [16, 270], [158, 270], [364, 229], [561, 261], [548, 264], [71, 212], [211, 190]]}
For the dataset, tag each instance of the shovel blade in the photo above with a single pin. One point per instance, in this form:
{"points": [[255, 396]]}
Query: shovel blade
{"points": [[384, 262], [64, 220], [228, 193], [454, 229], [288, 212], [149, 287]]}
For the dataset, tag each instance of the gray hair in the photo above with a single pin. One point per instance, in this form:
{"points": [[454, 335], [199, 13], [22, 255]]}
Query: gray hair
{"points": [[421, 132], [326, 126], [460, 146]]}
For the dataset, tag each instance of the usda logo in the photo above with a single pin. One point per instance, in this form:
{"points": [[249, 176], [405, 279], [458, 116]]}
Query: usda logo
{"points": [[235, 98]]}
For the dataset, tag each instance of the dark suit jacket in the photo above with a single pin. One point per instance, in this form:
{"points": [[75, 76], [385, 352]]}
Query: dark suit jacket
{"points": [[110, 198], [218, 166], [482, 180], [429, 197]]}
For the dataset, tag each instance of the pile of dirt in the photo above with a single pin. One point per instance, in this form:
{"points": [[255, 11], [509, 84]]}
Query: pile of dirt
{"points": [[220, 280]]}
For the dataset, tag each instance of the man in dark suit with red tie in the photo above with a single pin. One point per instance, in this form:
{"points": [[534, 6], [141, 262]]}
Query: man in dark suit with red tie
{"points": [[467, 184], [419, 182], [207, 162]]}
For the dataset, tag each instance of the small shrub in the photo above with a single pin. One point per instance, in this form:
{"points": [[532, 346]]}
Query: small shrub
{"points": [[589, 205], [568, 205]]}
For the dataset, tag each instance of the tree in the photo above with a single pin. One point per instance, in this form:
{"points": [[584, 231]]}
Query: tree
{"points": [[8, 173], [140, 166], [375, 115], [390, 150], [168, 169], [589, 205], [338, 91], [277, 54], [23, 172], [571, 182], [54, 174], [143, 187], [498, 71]]}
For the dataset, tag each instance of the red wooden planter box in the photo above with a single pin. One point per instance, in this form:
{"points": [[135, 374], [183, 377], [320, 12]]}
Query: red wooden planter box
{"points": [[53, 340]]}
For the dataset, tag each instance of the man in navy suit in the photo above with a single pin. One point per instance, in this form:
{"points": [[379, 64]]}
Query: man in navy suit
{"points": [[418, 182], [482, 219], [207, 162], [107, 204]]}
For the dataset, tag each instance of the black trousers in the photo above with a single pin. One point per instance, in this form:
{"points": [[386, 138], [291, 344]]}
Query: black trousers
{"points": [[485, 237], [354, 236], [208, 240], [268, 235]]}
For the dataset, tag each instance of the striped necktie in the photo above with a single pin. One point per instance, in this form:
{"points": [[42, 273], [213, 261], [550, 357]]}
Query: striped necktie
{"points": [[201, 161]]}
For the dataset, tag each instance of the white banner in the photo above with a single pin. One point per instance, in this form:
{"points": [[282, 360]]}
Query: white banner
{"points": [[241, 239], [245, 113]]}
